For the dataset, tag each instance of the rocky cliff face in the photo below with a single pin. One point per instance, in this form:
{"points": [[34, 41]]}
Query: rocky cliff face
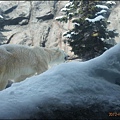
{"points": [[33, 23], [114, 18]]}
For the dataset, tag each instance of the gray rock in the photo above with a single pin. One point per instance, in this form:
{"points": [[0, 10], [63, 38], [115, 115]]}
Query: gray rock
{"points": [[15, 11], [114, 19], [32, 22]]}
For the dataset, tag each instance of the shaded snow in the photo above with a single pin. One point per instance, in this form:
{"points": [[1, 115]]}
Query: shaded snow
{"points": [[102, 39], [102, 6], [98, 18], [66, 87], [102, 11]]}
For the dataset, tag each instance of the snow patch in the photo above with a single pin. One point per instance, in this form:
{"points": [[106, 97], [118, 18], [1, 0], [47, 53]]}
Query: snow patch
{"points": [[102, 6], [98, 18], [60, 17], [77, 24], [73, 33], [111, 2], [102, 11], [66, 86], [102, 39], [68, 36], [65, 9], [1, 16]]}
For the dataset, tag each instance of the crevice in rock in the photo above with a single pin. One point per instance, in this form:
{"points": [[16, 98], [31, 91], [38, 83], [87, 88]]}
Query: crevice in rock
{"points": [[46, 17], [30, 14], [55, 7], [10, 10], [45, 39], [10, 38], [15, 21]]}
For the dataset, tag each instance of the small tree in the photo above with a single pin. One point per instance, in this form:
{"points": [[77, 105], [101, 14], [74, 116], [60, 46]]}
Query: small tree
{"points": [[89, 37]]}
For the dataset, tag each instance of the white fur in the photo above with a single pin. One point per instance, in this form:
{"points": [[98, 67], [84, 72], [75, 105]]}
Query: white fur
{"points": [[18, 62]]}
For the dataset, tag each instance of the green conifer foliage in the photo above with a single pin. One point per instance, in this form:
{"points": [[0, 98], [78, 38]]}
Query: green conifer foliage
{"points": [[89, 37]]}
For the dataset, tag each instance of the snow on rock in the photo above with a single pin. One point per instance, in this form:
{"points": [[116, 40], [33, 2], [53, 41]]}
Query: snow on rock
{"points": [[73, 90], [71, 14], [98, 18]]}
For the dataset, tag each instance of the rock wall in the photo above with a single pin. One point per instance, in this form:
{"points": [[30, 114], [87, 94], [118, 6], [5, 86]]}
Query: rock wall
{"points": [[33, 23], [114, 18]]}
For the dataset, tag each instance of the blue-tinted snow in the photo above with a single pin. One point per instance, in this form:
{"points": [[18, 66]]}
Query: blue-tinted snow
{"points": [[72, 83], [102, 6], [98, 18]]}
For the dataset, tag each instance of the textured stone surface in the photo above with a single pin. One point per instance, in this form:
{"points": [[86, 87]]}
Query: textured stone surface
{"points": [[114, 18], [33, 23]]}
